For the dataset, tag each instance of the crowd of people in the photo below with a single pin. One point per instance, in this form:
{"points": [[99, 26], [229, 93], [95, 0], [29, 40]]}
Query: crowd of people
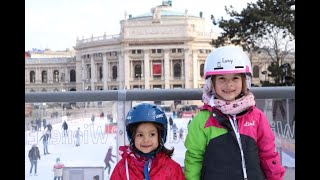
{"points": [[34, 152]]}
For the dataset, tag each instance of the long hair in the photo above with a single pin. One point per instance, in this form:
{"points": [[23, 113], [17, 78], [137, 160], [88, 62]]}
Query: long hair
{"points": [[133, 129]]}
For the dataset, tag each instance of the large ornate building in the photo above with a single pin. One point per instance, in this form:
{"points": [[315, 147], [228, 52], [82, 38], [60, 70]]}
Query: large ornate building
{"points": [[162, 49]]}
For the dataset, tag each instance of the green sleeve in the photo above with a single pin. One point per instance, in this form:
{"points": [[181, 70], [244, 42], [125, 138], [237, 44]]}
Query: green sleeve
{"points": [[195, 143]]}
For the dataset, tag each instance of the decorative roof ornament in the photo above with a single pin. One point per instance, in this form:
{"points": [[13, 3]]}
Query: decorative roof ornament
{"points": [[167, 2]]}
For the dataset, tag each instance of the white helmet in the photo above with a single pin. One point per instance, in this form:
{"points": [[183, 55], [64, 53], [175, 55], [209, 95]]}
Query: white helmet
{"points": [[227, 60]]}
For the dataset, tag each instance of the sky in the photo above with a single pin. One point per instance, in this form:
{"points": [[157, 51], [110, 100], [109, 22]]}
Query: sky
{"points": [[92, 151], [57, 24]]}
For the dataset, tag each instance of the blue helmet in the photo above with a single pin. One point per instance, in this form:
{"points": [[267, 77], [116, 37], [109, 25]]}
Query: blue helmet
{"points": [[145, 112]]}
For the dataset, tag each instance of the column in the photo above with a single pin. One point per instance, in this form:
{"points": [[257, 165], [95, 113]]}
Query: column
{"points": [[104, 69], [166, 69], [93, 73], [187, 63], [146, 73], [50, 75], [195, 69], [126, 74], [38, 75], [83, 68]]}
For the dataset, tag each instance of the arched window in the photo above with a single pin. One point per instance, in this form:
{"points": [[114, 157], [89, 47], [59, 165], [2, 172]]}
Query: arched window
{"points": [[32, 77], [255, 71], [137, 71], [56, 76], [201, 70], [44, 77], [114, 72], [177, 70], [72, 75]]}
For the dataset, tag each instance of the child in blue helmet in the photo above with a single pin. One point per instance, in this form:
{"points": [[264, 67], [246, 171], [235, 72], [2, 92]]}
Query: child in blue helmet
{"points": [[146, 157]]}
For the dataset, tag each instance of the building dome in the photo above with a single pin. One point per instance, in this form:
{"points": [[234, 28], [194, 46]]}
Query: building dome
{"points": [[164, 10]]}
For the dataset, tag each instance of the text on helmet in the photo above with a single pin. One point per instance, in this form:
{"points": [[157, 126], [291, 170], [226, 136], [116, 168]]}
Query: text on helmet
{"points": [[227, 61], [159, 115]]}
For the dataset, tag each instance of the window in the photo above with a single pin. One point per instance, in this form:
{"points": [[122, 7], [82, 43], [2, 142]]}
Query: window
{"points": [[56, 76], [179, 50], [100, 73], [114, 72], [157, 87], [201, 70], [138, 51], [255, 71], [32, 77], [44, 77], [177, 70], [137, 71], [158, 51], [72, 75]]}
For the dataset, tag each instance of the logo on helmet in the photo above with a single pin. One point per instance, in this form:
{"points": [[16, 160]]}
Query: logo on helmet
{"points": [[227, 61], [159, 115]]}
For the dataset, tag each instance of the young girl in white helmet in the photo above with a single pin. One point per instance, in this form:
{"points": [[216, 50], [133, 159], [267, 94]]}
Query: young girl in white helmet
{"points": [[230, 138]]}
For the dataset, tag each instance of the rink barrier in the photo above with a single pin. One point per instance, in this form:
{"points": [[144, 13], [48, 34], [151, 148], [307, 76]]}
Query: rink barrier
{"points": [[281, 92], [124, 98]]}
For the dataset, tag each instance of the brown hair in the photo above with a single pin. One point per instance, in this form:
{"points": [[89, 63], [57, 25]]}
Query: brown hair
{"points": [[133, 129]]}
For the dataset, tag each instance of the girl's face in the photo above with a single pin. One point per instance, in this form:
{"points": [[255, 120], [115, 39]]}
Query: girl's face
{"points": [[146, 138], [228, 86]]}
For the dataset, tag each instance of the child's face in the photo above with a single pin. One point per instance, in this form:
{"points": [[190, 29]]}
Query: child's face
{"points": [[228, 86], [146, 138]]}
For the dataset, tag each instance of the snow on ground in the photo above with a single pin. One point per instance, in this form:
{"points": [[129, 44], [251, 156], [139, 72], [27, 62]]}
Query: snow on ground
{"points": [[93, 147]]}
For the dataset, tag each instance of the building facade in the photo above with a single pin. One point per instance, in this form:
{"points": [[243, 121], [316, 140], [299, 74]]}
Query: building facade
{"points": [[161, 49]]}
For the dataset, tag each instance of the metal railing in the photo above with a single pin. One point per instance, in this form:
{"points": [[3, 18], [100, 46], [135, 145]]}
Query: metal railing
{"points": [[125, 97], [281, 92]]}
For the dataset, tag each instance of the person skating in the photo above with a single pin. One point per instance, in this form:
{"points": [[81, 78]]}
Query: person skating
{"points": [[77, 136], [109, 159], [45, 141], [34, 155], [65, 128], [58, 169]]}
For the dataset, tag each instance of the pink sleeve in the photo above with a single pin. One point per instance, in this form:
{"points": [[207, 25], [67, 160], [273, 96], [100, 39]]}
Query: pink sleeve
{"points": [[269, 158]]}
